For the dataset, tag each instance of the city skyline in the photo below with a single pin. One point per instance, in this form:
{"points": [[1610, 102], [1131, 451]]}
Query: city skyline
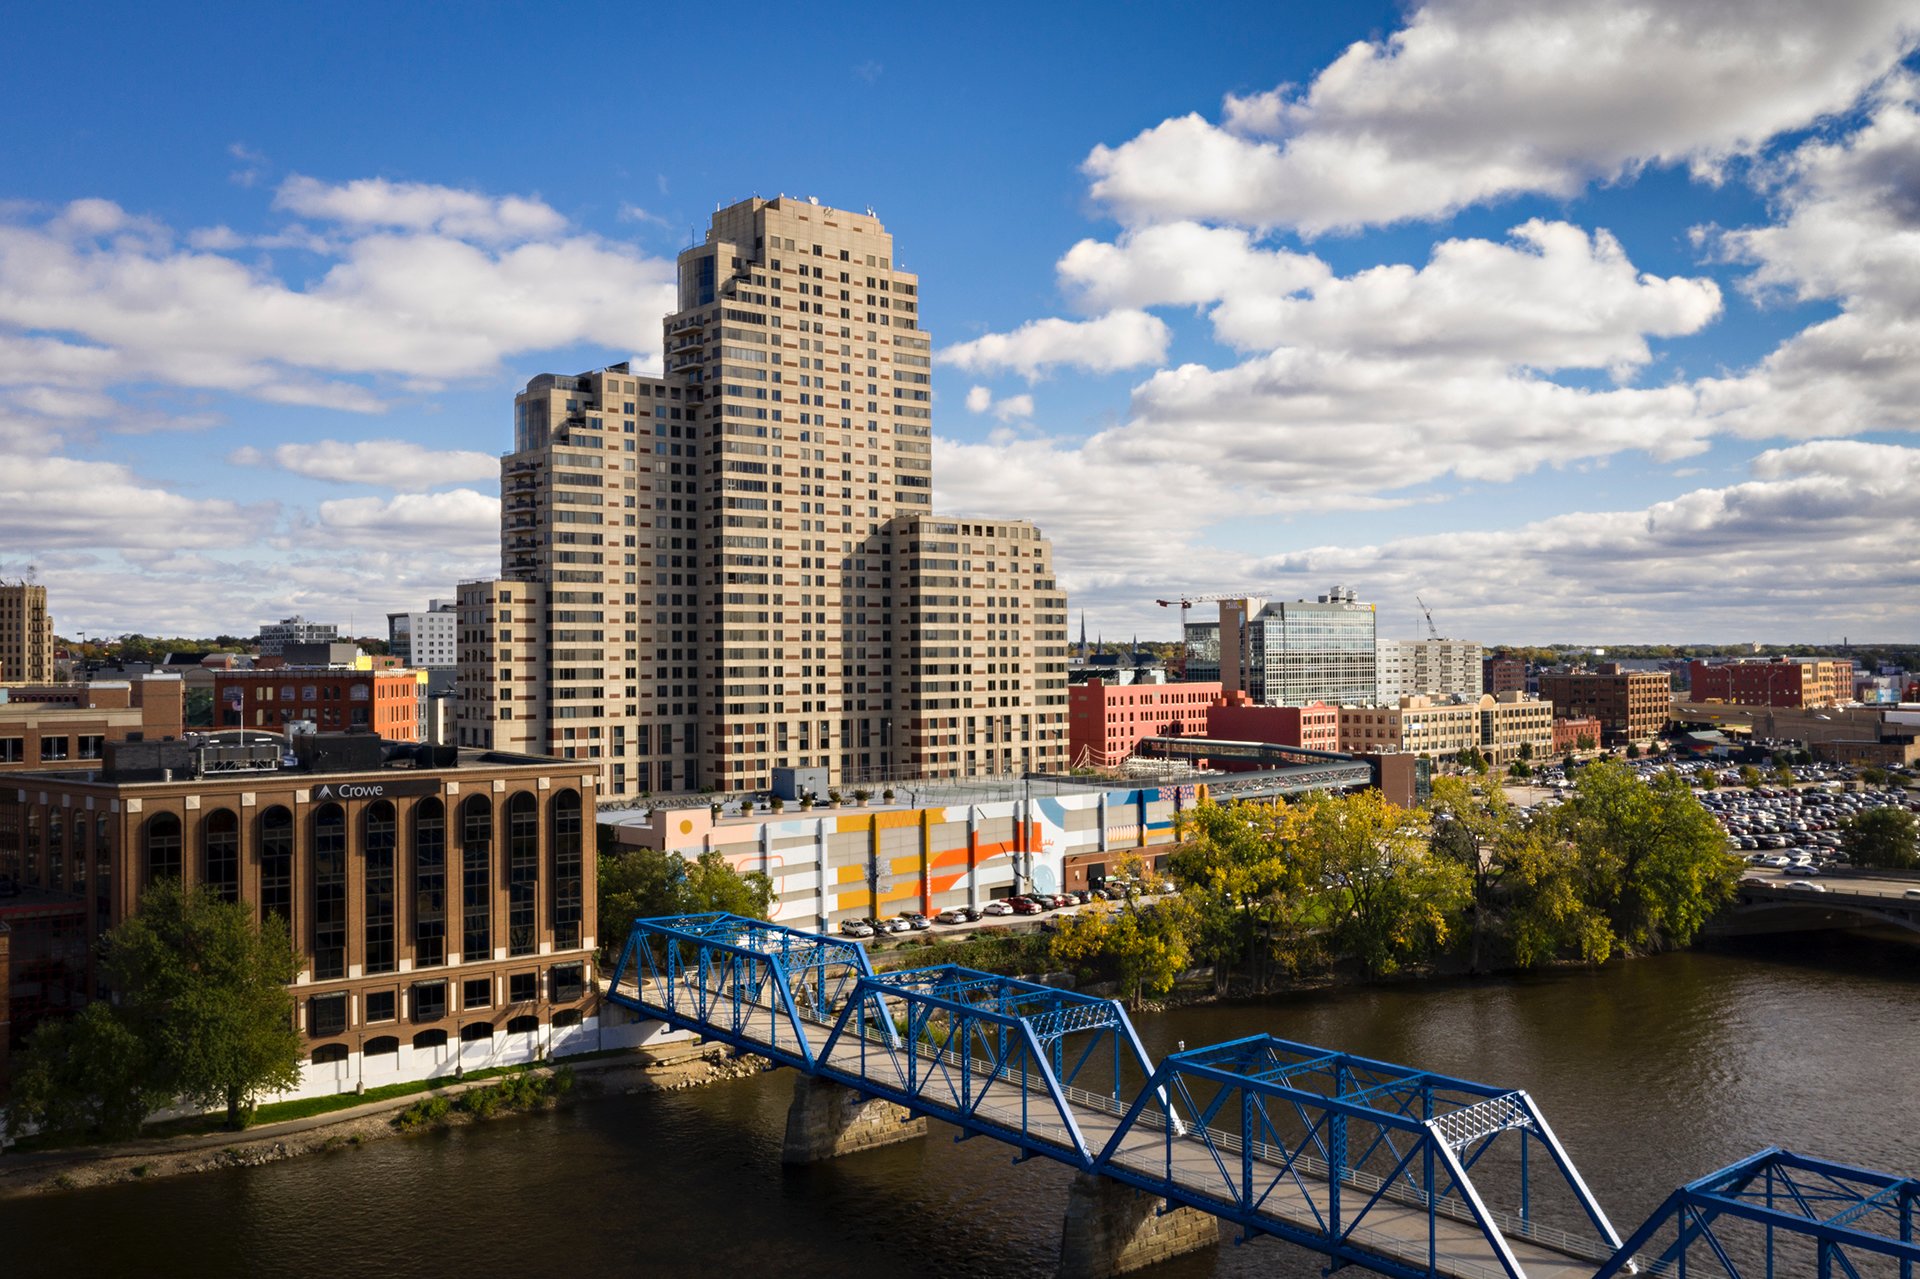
{"points": [[1598, 346]]}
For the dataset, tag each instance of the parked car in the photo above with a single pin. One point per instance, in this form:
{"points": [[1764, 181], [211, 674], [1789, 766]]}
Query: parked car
{"points": [[916, 921], [855, 928], [954, 915], [1024, 906], [996, 908]]}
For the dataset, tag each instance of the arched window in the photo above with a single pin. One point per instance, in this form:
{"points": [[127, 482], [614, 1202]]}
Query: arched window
{"points": [[523, 871], [81, 826], [385, 1045], [220, 853], [377, 856], [429, 883], [566, 870], [276, 863], [567, 1017], [329, 892], [327, 1054], [476, 879], [474, 1031], [430, 1039], [163, 847], [523, 1026]]}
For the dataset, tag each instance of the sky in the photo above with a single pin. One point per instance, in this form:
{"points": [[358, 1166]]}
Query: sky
{"points": [[1584, 322]]}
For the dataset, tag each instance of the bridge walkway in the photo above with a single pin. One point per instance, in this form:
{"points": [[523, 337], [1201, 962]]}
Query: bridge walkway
{"points": [[1183, 1168]]}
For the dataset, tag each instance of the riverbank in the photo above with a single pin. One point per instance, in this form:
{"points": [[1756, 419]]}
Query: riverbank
{"points": [[640, 1070]]}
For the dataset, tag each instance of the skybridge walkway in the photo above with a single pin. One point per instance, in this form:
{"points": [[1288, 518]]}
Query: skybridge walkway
{"points": [[1402, 1171]]}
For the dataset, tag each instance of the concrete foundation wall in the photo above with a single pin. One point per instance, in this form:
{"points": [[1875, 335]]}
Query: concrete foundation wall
{"points": [[1112, 1229]]}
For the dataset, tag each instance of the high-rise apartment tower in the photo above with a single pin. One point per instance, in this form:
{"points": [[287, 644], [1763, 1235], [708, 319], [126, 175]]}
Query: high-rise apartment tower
{"points": [[734, 567]]}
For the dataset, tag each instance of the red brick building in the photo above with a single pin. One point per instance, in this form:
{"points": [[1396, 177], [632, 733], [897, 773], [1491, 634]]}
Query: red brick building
{"points": [[1503, 674], [1105, 722], [1632, 706], [332, 699], [1783, 681], [1238, 719], [1568, 732]]}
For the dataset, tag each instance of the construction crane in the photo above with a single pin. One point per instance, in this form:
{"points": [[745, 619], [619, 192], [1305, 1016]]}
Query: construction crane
{"points": [[1433, 632]]}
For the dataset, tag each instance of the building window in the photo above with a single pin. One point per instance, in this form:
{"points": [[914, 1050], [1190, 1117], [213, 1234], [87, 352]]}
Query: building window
{"points": [[475, 1031], [429, 883], [377, 850], [476, 879], [524, 1026], [163, 848], [330, 893], [569, 982], [566, 1017], [380, 1005], [523, 871], [384, 1046], [429, 1000], [276, 864], [220, 853], [52, 748], [327, 1015], [56, 850], [329, 1054], [431, 1039], [566, 870], [523, 988], [91, 747], [13, 750], [476, 992]]}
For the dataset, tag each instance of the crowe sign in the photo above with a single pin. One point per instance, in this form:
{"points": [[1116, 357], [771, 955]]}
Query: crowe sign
{"points": [[375, 790]]}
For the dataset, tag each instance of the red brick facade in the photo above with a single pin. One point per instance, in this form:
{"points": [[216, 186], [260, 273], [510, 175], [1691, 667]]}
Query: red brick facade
{"points": [[1105, 723]]}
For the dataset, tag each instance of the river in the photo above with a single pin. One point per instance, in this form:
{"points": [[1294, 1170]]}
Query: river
{"points": [[1652, 1072]]}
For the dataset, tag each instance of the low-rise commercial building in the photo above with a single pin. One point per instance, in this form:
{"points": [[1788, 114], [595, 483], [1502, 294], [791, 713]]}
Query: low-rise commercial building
{"points": [[1503, 729], [1576, 734], [275, 636], [325, 699], [1632, 706], [1105, 722], [69, 725], [441, 902], [1237, 718], [1782, 681], [429, 640]]}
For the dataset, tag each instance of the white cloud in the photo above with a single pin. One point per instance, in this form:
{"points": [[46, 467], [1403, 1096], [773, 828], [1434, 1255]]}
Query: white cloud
{"points": [[1553, 298], [1115, 341], [1474, 100], [399, 464], [51, 501], [1182, 263], [980, 400], [99, 291], [456, 521], [420, 206]]}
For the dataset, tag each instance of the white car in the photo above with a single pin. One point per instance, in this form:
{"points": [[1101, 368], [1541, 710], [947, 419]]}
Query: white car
{"points": [[996, 908]]}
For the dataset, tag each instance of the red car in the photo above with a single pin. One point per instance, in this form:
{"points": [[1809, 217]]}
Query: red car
{"points": [[1024, 905]]}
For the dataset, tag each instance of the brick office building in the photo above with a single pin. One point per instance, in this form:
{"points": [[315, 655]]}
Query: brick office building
{"points": [[441, 902], [1632, 706], [332, 699], [68, 725], [1106, 721], [1783, 681], [1237, 718]]}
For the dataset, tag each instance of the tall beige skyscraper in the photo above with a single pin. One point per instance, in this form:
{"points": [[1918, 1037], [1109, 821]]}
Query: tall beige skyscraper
{"points": [[735, 567], [26, 634]]}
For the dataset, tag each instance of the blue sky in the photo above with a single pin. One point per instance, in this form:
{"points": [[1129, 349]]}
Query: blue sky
{"points": [[1593, 322]]}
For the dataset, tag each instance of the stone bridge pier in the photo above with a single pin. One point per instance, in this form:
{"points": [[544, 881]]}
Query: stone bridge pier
{"points": [[1112, 1229], [827, 1120]]}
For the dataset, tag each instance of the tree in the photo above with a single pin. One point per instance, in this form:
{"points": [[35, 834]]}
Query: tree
{"points": [[1783, 775], [1750, 777], [1548, 912], [1147, 948], [1526, 750], [1519, 769], [1633, 750], [1251, 890], [1466, 829], [1400, 905], [1873, 776], [1584, 742], [643, 883], [84, 1075], [1709, 780], [1882, 838], [1651, 854], [204, 989]]}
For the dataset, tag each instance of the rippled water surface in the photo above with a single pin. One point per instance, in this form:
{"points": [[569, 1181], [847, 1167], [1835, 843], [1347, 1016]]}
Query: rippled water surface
{"points": [[1652, 1072]]}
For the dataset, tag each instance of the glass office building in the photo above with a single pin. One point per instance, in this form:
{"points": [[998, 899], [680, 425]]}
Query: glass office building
{"points": [[1312, 651]]}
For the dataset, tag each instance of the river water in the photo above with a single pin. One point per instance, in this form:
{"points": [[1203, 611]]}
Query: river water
{"points": [[1652, 1072]]}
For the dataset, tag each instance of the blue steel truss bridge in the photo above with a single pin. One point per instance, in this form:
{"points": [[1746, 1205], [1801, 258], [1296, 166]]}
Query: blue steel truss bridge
{"points": [[1401, 1171]]}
